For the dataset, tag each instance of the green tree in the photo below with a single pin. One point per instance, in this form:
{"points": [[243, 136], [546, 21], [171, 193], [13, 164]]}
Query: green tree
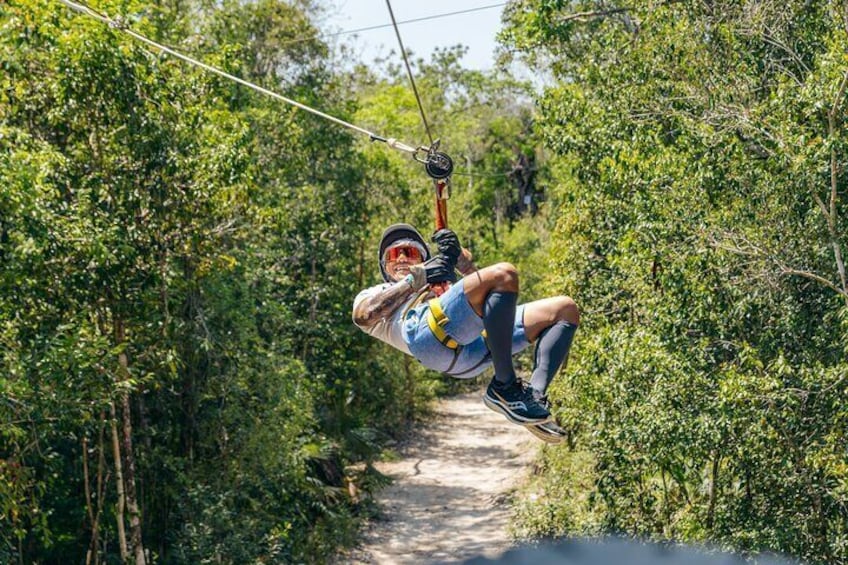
{"points": [[173, 279], [700, 151]]}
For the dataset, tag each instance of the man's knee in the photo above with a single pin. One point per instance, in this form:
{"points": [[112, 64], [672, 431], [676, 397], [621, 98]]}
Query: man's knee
{"points": [[567, 310], [504, 276]]}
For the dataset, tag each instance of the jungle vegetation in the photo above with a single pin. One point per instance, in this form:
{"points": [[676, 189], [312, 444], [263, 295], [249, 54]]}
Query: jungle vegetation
{"points": [[180, 380]]}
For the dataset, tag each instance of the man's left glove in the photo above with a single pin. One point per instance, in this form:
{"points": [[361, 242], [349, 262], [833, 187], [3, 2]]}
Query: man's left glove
{"points": [[417, 277], [448, 244]]}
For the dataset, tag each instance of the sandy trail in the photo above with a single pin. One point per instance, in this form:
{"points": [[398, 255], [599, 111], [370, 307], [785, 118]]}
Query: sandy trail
{"points": [[449, 498]]}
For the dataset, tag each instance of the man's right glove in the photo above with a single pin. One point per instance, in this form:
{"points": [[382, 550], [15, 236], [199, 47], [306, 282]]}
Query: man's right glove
{"points": [[440, 269], [448, 244]]}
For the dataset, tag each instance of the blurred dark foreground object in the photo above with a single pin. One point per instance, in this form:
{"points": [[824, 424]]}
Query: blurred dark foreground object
{"points": [[614, 551]]}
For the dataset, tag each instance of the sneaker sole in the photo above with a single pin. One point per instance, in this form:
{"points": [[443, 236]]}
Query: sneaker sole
{"points": [[545, 436], [515, 419]]}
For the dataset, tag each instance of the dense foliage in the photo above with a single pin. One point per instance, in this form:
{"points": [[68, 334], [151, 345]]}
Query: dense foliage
{"points": [[700, 172], [177, 356], [181, 381], [179, 378]]}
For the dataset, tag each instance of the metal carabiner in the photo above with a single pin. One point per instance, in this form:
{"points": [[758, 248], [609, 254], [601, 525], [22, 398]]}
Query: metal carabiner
{"points": [[438, 164]]}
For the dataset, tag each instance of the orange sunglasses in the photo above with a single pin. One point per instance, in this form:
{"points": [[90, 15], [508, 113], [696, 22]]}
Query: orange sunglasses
{"points": [[412, 253]]}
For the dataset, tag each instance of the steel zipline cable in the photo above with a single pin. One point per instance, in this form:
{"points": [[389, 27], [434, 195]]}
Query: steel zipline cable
{"points": [[433, 160], [327, 36], [416, 20], [409, 72], [121, 26], [440, 165]]}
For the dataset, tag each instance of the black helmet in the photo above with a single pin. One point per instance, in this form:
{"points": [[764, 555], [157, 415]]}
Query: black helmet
{"points": [[396, 233]]}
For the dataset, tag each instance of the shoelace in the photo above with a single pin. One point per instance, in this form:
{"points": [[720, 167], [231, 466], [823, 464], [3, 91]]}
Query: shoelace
{"points": [[527, 393], [543, 401]]}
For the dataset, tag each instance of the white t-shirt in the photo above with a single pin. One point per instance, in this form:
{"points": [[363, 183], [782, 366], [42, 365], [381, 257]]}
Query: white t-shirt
{"points": [[389, 329]]}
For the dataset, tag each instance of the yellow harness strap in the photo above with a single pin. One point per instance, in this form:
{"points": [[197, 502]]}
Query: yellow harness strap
{"points": [[436, 319]]}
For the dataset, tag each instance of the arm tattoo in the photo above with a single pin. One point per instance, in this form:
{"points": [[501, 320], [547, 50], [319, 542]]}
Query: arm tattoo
{"points": [[465, 263], [382, 305], [467, 268]]}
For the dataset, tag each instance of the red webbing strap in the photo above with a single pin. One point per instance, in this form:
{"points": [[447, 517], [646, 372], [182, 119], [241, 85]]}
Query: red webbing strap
{"points": [[442, 195]]}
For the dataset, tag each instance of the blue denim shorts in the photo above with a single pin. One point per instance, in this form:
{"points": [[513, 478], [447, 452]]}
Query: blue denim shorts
{"points": [[472, 357]]}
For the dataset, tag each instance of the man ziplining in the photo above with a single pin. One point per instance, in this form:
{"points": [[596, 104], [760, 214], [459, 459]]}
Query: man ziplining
{"points": [[444, 333], [476, 324]]}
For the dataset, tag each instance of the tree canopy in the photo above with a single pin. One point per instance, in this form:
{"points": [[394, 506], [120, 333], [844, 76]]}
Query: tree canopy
{"points": [[180, 380], [700, 158]]}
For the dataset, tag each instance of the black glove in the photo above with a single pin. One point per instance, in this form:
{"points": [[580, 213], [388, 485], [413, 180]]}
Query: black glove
{"points": [[440, 269], [448, 244]]}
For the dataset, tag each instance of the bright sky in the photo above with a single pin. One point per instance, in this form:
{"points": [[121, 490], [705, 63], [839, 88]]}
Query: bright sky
{"points": [[476, 29]]}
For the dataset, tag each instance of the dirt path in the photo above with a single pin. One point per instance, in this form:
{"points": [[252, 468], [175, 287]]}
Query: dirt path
{"points": [[449, 498]]}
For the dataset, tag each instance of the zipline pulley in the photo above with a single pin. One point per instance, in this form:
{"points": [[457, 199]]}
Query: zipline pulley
{"points": [[438, 164]]}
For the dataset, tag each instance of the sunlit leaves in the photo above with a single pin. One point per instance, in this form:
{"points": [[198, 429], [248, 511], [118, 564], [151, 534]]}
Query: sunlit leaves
{"points": [[697, 151], [155, 215]]}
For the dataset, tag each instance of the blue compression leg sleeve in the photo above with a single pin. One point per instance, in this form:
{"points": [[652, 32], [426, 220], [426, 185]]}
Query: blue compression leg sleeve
{"points": [[498, 319], [551, 353]]}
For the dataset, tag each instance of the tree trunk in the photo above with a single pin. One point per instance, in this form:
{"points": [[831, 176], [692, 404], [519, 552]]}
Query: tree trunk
{"points": [[132, 502], [360, 272], [89, 508], [93, 553], [831, 209], [713, 491], [129, 457], [313, 305], [119, 484]]}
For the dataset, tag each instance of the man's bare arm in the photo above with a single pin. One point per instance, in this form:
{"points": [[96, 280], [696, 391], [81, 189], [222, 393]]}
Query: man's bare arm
{"points": [[380, 306], [465, 263]]}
